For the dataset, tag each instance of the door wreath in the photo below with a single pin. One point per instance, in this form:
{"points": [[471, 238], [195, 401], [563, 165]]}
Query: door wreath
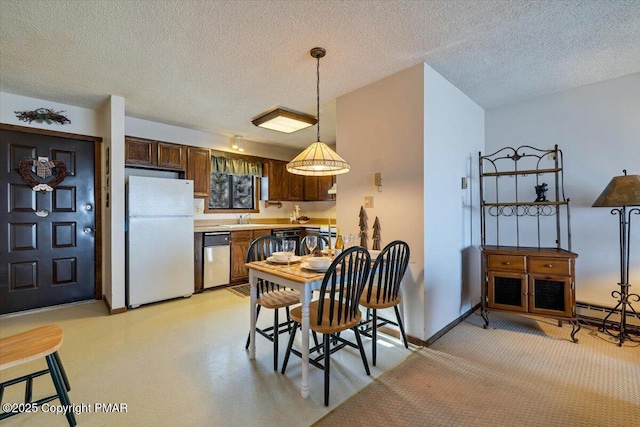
{"points": [[44, 169]]}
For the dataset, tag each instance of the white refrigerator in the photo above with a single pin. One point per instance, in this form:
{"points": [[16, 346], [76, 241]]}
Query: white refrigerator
{"points": [[160, 258]]}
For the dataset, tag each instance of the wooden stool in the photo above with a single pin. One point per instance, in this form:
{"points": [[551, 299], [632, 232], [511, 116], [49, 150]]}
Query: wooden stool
{"points": [[31, 345]]}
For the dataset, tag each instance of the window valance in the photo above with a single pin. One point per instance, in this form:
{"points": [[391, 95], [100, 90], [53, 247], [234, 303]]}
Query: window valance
{"points": [[235, 166]]}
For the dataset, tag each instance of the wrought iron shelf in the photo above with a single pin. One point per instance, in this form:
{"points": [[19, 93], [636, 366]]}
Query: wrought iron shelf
{"points": [[552, 203], [522, 172]]}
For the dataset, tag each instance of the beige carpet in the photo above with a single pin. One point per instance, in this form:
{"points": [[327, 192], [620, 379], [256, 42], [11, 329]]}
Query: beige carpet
{"points": [[522, 371]]}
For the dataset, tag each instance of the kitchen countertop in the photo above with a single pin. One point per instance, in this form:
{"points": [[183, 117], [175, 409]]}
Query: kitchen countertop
{"points": [[203, 226]]}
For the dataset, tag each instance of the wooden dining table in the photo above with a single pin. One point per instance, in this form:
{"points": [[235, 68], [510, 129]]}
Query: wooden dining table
{"points": [[294, 277]]}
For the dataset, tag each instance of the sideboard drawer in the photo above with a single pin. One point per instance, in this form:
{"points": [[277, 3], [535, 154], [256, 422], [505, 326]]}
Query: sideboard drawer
{"points": [[507, 262], [558, 266]]}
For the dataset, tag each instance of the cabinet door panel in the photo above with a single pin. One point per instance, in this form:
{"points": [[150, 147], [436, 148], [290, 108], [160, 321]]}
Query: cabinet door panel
{"points": [[199, 170], [139, 152], [171, 156], [508, 291], [277, 180], [550, 295], [238, 255]]}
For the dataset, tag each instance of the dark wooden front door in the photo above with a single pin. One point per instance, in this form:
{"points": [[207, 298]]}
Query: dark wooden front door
{"points": [[47, 238]]}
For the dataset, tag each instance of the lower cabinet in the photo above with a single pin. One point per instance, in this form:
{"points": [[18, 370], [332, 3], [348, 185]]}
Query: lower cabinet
{"points": [[198, 253], [529, 280], [240, 241]]}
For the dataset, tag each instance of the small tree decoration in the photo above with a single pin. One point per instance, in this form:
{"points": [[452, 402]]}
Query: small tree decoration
{"points": [[363, 228], [40, 115], [376, 234]]}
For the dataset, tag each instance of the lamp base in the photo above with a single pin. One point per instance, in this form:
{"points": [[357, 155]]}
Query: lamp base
{"points": [[625, 306]]}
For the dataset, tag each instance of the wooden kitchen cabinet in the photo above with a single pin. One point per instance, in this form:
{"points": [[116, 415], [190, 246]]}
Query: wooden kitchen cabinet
{"points": [[240, 241], [198, 268], [316, 188], [538, 279], [171, 156], [150, 154], [139, 152], [199, 170], [530, 280], [282, 185]]}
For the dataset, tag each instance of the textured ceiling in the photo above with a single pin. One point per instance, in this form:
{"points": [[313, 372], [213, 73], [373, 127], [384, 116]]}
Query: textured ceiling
{"points": [[214, 65]]}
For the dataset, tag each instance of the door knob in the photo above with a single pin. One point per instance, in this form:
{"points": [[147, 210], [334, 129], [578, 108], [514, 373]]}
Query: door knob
{"points": [[87, 230], [88, 207]]}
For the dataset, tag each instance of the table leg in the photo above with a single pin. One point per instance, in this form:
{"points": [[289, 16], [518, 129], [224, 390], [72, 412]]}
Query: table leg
{"points": [[252, 331], [305, 298]]}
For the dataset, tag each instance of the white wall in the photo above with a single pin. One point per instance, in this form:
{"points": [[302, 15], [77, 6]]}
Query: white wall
{"points": [[83, 121], [116, 125], [453, 135], [418, 131], [598, 129]]}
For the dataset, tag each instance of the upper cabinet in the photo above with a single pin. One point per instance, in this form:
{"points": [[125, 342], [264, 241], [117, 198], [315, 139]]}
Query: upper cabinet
{"points": [[316, 188], [146, 153], [199, 170], [279, 184]]}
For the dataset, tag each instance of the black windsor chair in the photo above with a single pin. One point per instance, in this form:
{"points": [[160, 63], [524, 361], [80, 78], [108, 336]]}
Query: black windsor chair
{"points": [[383, 291], [338, 311], [271, 295]]}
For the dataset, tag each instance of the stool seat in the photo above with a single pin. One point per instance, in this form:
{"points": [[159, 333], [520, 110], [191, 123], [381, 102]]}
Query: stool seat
{"points": [[30, 345], [38, 343]]}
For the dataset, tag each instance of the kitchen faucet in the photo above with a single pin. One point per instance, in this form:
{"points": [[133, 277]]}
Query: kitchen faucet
{"points": [[246, 219]]}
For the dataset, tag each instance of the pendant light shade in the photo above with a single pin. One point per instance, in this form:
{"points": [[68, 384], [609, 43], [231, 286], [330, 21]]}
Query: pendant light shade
{"points": [[318, 159]]}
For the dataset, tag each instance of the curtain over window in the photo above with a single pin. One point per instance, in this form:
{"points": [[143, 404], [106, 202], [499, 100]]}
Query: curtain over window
{"points": [[223, 165], [233, 183]]}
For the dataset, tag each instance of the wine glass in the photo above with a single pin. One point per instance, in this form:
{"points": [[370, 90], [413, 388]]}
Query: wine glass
{"points": [[289, 248], [312, 242]]}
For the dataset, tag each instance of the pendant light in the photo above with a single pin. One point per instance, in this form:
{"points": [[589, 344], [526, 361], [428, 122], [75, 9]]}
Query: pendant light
{"points": [[318, 159]]}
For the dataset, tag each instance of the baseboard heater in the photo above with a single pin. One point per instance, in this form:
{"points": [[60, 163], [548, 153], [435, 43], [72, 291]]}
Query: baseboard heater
{"points": [[593, 313]]}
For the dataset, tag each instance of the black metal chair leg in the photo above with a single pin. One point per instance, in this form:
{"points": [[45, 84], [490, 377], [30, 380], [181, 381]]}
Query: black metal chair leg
{"points": [[374, 336], [327, 357], [361, 348], [246, 347], [60, 388], [315, 340], [404, 336], [62, 371], [276, 327], [288, 353]]}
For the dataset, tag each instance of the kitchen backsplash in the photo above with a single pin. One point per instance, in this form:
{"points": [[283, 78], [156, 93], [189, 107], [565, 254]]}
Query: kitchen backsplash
{"points": [[310, 209]]}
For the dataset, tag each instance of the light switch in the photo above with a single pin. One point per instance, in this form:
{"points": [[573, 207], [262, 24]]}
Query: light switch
{"points": [[368, 201]]}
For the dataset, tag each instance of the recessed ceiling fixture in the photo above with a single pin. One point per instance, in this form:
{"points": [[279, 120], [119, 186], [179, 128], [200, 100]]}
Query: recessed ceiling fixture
{"points": [[284, 120], [318, 159]]}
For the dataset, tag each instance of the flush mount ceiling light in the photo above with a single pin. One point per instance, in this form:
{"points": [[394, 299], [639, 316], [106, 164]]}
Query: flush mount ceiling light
{"points": [[284, 120], [318, 159]]}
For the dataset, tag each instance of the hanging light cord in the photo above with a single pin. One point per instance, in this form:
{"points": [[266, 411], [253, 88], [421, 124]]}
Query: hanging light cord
{"points": [[318, 96]]}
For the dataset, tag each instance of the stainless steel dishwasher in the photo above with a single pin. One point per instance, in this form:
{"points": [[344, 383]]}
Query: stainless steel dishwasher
{"points": [[216, 259]]}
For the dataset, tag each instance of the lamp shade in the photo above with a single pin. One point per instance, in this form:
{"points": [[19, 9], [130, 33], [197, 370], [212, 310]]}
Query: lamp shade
{"points": [[623, 190], [318, 160], [283, 120]]}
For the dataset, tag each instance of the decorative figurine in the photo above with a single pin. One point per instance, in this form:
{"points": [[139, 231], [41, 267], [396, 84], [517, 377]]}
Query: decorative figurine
{"points": [[541, 191], [363, 227], [376, 234]]}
